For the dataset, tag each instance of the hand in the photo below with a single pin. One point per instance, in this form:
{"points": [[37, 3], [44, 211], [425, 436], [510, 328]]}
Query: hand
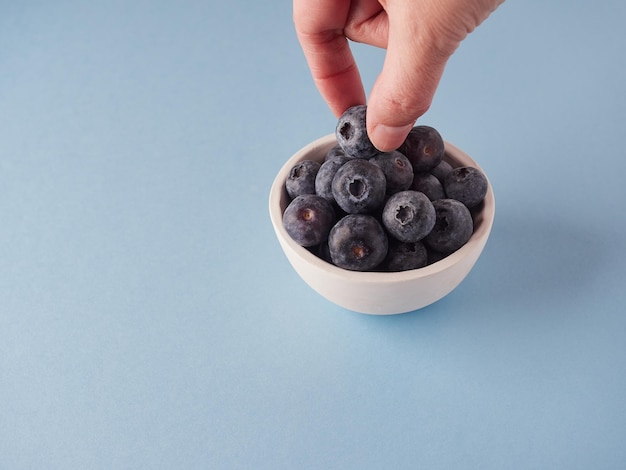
{"points": [[419, 35]]}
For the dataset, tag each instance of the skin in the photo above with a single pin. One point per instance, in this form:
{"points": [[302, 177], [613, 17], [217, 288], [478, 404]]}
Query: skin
{"points": [[419, 36]]}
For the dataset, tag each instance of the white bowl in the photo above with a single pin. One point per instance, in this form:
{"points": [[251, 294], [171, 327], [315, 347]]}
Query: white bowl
{"points": [[379, 293]]}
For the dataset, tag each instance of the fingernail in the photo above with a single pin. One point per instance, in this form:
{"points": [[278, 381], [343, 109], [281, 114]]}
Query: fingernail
{"points": [[387, 138]]}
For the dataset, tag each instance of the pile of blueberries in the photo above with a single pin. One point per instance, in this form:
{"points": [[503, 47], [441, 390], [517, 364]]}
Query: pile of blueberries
{"points": [[365, 210]]}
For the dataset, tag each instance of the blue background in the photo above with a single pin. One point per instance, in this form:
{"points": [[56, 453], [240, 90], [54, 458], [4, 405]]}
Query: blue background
{"points": [[148, 318]]}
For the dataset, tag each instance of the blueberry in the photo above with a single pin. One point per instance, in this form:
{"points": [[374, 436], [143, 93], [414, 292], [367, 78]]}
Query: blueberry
{"points": [[434, 256], [352, 135], [453, 226], [466, 184], [308, 219], [301, 179], [408, 216], [397, 169], [359, 186], [322, 251], [335, 152], [428, 184], [402, 256], [325, 175], [424, 147], [358, 243], [441, 170]]}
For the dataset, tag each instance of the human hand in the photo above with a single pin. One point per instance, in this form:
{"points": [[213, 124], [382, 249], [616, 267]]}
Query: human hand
{"points": [[419, 35]]}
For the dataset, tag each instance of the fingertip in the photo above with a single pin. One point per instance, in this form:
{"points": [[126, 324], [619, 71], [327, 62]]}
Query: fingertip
{"points": [[387, 138]]}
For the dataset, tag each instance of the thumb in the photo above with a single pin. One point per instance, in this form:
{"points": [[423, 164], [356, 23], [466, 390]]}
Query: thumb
{"points": [[414, 63]]}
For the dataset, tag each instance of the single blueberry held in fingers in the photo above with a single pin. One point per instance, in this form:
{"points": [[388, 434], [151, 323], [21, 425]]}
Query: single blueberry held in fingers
{"points": [[308, 219], [424, 147], [325, 175], [351, 133], [359, 186], [466, 184], [397, 169], [428, 184], [403, 256], [358, 243], [408, 216], [301, 178], [453, 226]]}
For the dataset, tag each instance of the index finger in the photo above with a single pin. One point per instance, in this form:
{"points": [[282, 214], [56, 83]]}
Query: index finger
{"points": [[320, 29]]}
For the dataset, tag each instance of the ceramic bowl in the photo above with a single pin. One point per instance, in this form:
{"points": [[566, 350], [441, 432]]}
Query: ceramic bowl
{"points": [[379, 293]]}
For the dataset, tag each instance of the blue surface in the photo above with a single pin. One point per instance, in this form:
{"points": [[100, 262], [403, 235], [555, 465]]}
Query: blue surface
{"points": [[148, 318]]}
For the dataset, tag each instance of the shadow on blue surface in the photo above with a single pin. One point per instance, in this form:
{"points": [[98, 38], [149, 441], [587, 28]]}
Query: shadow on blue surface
{"points": [[539, 259]]}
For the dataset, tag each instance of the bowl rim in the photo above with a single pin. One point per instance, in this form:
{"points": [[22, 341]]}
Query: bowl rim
{"points": [[477, 240]]}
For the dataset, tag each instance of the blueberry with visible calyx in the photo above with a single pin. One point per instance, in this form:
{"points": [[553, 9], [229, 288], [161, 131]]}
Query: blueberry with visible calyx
{"points": [[301, 178], [441, 170], [359, 186], [428, 184], [453, 226], [397, 169], [325, 175], [358, 243], [403, 256], [351, 133], [408, 216], [424, 147], [308, 219], [466, 184]]}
